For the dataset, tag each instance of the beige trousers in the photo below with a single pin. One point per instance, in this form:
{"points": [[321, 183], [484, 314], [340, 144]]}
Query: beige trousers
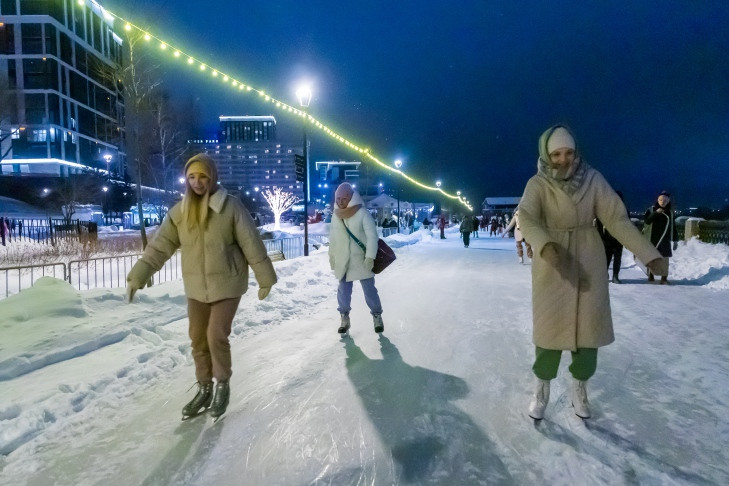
{"points": [[209, 330]]}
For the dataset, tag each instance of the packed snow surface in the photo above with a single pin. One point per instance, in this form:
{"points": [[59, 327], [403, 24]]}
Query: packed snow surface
{"points": [[92, 388]]}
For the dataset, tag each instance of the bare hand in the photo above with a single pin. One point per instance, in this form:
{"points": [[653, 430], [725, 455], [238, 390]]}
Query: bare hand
{"points": [[659, 210]]}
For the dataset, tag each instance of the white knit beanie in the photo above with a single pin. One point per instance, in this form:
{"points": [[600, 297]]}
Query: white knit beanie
{"points": [[560, 138]]}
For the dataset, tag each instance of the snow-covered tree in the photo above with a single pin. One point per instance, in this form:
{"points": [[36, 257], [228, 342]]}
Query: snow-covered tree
{"points": [[280, 201]]}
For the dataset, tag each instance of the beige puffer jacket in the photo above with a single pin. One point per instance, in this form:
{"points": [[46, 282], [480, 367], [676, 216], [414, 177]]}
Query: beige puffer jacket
{"points": [[215, 261]]}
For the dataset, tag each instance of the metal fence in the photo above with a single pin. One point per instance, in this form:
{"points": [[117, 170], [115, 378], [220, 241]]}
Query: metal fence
{"points": [[18, 278], [48, 230], [111, 272]]}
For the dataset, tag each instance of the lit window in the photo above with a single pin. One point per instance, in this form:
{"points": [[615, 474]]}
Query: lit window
{"points": [[38, 135]]}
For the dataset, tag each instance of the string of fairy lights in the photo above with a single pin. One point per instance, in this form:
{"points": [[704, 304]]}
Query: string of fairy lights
{"points": [[234, 83]]}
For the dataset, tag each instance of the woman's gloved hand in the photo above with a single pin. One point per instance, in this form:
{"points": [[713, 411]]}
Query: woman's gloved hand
{"points": [[263, 292], [369, 263]]}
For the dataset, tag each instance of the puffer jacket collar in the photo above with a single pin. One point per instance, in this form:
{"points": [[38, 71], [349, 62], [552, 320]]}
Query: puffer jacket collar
{"points": [[217, 200]]}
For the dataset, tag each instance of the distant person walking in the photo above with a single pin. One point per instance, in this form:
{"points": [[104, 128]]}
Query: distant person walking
{"points": [[519, 237], [442, 226], [219, 240], [466, 228], [570, 299], [613, 248], [353, 227], [660, 228], [475, 226]]}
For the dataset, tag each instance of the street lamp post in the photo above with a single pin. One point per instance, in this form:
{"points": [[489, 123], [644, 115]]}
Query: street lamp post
{"points": [[107, 158], [398, 164], [304, 96]]}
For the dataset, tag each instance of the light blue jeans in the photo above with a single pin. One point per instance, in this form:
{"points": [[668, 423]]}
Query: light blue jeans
{"points": [[344, 296]]}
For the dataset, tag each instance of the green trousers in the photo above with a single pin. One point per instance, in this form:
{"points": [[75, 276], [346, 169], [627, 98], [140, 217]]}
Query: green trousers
{"points": [[584, 363]]}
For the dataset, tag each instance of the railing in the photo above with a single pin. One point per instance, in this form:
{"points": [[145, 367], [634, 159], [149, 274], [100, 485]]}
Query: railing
{"points": [[111, 272], [714, 232], [48, 230], [27, 276]]}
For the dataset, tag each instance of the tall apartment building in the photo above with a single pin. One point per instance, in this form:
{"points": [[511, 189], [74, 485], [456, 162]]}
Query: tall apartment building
{"points": [[249, 156], [329, 174], [60, 106]]}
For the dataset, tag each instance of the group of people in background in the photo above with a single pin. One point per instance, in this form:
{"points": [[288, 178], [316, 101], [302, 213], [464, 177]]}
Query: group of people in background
{"points": [[7, 229]]}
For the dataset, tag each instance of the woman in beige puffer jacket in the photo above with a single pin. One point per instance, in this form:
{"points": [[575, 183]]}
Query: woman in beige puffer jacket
{"points": [[570, 300], [218, 240]]}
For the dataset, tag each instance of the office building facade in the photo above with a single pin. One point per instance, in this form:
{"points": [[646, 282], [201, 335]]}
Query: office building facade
{"points": [[60, 105], [249, 157]]}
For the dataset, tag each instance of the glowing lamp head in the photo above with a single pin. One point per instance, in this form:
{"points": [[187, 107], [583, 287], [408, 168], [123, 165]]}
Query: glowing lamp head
{"points": [[303, 93]]}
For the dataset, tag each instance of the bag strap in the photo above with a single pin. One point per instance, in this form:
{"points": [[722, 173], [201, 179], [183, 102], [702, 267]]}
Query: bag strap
{"points": [[361, 245]]}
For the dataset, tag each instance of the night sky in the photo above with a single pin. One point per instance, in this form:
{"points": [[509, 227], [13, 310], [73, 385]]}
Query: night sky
{"points": [[462, 90]]}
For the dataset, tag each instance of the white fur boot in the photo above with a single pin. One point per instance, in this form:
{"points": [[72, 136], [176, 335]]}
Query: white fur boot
{"points": [[539, 400]]}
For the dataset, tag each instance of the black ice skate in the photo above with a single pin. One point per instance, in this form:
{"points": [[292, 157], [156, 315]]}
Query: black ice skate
{"points": [[220, 401], [200, 403], [379, 325]]}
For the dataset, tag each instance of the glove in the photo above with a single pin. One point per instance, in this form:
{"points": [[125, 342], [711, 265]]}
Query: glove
{"points": [[331, 263], [369, 263], [675, 245], [659, 266], [263, 292], [131, 290], [550, 254]]}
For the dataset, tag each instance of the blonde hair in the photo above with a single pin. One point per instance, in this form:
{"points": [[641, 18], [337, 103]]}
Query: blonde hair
{"points": [[194, 207]]}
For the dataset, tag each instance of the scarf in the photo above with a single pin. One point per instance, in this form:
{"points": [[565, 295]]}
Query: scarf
{"points": [[348, 212], [568, 179]]}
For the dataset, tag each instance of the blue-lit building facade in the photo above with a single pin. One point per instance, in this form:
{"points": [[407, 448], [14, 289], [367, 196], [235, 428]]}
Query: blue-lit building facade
{"points": [[61, 110], [249, 156]]}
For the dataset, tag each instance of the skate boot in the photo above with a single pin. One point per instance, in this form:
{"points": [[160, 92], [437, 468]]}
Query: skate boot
{"points": [[220, 401], [521, 260], [616, 280], [200, 402], [379, 325], [579, 398], [539, 400], [344, 326]]}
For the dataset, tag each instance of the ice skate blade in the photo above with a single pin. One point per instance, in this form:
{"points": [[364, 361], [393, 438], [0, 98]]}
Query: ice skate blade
{"points": [[215, 419], [185, 418]]}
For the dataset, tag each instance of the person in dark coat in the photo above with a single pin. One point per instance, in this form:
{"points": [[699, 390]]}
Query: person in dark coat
{"points": [[660, 228], [442, 226], [613, 248], [466, 229]]}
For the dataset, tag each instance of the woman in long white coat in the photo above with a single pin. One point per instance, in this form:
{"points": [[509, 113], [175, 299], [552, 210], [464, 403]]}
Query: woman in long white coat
{"points": [[352, 250], [570, 300]]}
